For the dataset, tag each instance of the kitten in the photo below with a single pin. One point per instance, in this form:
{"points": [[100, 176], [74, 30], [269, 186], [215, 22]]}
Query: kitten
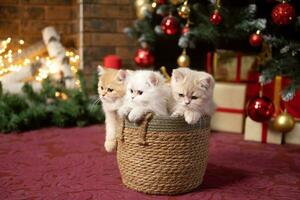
{"points": [[111, 89], [192, 93], [146, 92]]}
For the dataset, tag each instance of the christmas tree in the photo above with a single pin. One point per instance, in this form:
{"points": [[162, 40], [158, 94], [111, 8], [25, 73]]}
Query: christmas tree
{"points": [[185, 30]]}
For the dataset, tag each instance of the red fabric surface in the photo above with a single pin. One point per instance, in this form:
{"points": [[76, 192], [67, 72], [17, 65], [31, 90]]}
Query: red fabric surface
{"points": [[72, 164]]}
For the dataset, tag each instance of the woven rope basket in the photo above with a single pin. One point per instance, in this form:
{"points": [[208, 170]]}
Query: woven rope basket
{"points": [[163, 155]]}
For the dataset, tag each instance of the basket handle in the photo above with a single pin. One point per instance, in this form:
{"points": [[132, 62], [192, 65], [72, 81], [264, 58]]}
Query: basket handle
{"points": [[143, 129]]}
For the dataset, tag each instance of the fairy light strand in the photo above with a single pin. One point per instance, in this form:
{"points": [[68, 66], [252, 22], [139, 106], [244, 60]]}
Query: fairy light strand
{"points": [[8, 65]]}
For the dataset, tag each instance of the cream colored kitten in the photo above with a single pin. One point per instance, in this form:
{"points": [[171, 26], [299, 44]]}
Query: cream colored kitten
{"points": [[192, 94], [111, 89], [146, 92]]}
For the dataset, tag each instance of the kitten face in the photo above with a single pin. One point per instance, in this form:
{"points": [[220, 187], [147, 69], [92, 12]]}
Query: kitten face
{"points": [[191, 89], [141, 86], [111, 84]]}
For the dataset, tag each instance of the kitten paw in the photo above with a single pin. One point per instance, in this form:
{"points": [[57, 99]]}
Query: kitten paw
{"points": [[135, 115], [191, 117], [124, 111], [110, 145], [176, 114]]}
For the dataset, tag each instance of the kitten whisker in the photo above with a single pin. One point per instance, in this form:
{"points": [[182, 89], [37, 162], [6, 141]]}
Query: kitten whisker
{"points": [[96, 101]]}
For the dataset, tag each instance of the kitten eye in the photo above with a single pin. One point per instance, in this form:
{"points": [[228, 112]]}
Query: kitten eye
{"points": [[131, 90], [140, 92], [109, 90], [101, 88], [204, 86], [194, 97], [181, 95]]}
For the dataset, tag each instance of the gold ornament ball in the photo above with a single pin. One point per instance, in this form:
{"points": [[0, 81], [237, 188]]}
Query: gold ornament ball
{"points": [[141, 11], [184, 11], [176, 2], [139, 3], [183, 60], [284, 122]]}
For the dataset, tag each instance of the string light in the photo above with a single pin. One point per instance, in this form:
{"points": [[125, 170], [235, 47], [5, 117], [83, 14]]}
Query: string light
{"points": [[49, 67]]}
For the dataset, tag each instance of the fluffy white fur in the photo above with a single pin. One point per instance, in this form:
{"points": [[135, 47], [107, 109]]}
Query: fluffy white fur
{"points": [[192, 93], [146, 92]]}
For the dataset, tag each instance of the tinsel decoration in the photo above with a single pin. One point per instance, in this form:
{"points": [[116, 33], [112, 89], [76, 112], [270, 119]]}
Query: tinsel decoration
{"points": [[264, 55]]}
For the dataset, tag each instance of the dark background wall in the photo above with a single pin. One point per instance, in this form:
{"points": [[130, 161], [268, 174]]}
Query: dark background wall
{"points": [[102, 30], [103, 25], [24, 19]]}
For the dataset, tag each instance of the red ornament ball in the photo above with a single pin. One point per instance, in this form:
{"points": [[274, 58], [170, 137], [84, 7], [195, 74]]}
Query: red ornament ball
{"points": [[216, 18], [169, 25], [260, 109], [143, 58], [255, 39], [283, 14], [160, 2], [185, 30]]}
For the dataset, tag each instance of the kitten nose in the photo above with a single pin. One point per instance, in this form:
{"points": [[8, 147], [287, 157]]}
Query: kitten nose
{"points": [[187, 102]]}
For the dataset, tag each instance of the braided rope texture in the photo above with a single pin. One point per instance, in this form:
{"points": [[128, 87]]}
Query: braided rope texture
{"points": [[163, 155]]}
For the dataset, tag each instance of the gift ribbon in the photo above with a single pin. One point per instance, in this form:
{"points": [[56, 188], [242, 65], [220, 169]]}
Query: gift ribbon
{"points": [[230, 110], [277, 91], [215, 60], [208, 63], [264, 133], [238, 67]]}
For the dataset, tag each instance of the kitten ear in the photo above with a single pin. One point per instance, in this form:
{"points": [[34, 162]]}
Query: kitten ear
{"points": [[100, 70], [177, 75], [129, 72], [153, 79], [121, 76], [206, 81]]}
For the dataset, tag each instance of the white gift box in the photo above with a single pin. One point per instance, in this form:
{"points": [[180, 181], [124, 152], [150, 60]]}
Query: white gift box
{"points": [[230, 102], [261, 132], [293, 137]]}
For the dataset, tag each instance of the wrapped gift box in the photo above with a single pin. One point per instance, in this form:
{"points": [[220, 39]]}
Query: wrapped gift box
{"points": [[231, 66], [230, 102], [261, 132], [293, 137]]}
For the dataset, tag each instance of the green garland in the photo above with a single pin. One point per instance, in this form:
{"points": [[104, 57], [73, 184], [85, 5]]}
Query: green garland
{"points": [[33, 110]]}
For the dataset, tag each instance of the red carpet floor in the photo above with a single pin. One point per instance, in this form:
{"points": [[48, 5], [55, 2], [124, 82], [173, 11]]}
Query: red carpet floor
{"points": [[71, 164]]}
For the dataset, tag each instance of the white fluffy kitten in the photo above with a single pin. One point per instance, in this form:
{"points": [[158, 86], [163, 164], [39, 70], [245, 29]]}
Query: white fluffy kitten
{"points": [[146, 92], [192, 93]]}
